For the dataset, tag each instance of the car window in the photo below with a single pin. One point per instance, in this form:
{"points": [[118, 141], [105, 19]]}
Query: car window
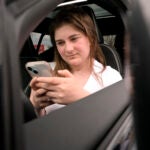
{"points": [[102, 15], [42, 45], [45, 43], [99, 11]]}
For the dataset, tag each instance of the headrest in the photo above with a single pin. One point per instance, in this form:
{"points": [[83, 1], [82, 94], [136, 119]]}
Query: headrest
{"points": [[90, 11]]}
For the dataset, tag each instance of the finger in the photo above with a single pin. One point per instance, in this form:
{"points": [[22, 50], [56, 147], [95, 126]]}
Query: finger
{"points": [[40, 92], [33, 81], [64, 73], [52, 94], [56, 100], [42, 101], [46, 87], [50, 80]]}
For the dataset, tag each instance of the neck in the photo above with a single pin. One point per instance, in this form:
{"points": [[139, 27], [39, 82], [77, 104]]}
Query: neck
{"points": [[84, 69]]}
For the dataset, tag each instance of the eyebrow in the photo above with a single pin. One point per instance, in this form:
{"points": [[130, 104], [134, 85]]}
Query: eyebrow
{"points": [[58, 40], [69, 37]]}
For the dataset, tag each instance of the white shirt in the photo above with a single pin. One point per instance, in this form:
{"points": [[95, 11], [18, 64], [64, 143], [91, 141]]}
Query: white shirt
{"points": [[108, 77]]}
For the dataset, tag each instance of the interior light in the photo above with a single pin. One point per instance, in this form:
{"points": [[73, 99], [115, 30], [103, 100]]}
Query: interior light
{"points": [[71, 2]]}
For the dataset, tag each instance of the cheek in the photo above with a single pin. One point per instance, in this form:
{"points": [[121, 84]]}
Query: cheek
{"points": [[85, 46], [60, 51], [86, 42]]}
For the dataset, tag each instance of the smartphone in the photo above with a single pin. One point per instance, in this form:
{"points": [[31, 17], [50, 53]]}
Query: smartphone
{"points": [[39, 68]]}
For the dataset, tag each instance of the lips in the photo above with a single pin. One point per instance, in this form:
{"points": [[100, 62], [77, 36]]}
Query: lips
{"points": [[71, 56]]}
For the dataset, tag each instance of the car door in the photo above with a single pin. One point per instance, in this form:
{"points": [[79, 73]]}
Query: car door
{"points": [[62, 129]]}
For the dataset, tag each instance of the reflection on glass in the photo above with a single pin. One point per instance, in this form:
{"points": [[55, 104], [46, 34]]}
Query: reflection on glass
{"points": [[124, 138]]}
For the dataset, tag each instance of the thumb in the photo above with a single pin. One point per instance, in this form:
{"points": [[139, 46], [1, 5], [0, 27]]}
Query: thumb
{"points": [[64, 73]]}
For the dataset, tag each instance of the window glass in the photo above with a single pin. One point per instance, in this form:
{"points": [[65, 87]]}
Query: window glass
{"points": [[45, 44]]}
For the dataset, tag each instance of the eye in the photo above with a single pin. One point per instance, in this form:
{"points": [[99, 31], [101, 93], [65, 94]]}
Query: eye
{"points": [[74, 38], [60, 43]]}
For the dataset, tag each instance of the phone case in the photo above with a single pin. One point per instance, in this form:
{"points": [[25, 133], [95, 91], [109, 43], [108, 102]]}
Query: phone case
{"points": [[39, 68]]}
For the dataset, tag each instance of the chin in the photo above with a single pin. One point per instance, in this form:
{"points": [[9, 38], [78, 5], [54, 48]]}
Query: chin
{"points": [[74, 61]]}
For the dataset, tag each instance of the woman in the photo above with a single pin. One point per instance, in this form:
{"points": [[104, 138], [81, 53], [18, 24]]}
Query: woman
{"points": [[80, 67]]}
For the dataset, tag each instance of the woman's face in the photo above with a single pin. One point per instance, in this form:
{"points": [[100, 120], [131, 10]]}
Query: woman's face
{"points": [[73, 45]]}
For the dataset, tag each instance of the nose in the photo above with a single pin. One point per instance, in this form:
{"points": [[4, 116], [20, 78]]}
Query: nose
{"points": [[68, 47]]}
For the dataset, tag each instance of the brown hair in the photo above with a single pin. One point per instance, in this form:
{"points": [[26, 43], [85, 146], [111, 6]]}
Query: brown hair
{"points": [[78, 18]]}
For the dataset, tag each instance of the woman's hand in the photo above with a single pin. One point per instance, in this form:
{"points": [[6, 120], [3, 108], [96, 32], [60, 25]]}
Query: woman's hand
{"points": [[38, 96], [63, 90]]}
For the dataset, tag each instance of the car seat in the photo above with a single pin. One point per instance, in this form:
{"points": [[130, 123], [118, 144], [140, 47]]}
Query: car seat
{"points": [[111, 55]]}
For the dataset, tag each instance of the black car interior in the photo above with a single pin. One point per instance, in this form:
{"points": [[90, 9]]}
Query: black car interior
{"points": [[113, 59], [30, 53], [88, 124]]}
